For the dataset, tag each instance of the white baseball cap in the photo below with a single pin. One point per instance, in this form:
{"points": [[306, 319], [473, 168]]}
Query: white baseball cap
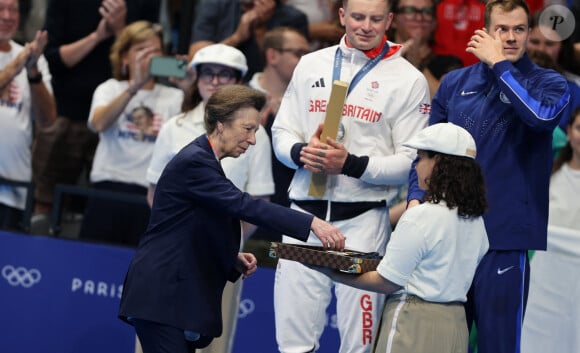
{"points": [[221, 54], [444, 138]]}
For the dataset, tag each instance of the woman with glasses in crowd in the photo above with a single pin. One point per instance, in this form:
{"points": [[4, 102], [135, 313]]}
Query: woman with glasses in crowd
{"points": [[413, 26], [215, 66]]}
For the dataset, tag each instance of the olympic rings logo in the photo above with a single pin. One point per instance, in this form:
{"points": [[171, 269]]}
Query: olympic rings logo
{"points": [[21, 276], [246, 307]]}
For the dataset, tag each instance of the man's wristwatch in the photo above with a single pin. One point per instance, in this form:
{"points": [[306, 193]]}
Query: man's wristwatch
{"points": [[35, 79]]}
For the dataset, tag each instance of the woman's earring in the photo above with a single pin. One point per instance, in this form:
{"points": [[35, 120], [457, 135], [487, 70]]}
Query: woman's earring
{"points": [[124, 70]]}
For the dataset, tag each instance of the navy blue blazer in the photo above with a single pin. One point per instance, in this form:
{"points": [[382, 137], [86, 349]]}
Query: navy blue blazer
{"points": [[190, 247]]}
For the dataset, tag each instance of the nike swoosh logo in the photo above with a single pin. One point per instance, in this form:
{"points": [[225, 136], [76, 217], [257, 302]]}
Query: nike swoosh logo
{"points": [[502, 271], [467, 93]]}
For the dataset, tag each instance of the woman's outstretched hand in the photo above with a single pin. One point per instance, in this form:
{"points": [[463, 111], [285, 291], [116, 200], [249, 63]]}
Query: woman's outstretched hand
{"points": [[329, 235]]}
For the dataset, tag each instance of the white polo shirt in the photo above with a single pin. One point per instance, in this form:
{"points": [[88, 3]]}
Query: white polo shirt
{"points": [[433, 253]]}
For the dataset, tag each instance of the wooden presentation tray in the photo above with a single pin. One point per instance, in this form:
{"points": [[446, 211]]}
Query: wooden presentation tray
{"points": [[345, 261]]}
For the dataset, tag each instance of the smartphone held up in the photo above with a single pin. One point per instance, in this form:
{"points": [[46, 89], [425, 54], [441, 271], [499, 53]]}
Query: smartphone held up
{"points": [[168, 66]]}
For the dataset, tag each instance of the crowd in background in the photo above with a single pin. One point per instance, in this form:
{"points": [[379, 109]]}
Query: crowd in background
{"points": [[78, 106]]}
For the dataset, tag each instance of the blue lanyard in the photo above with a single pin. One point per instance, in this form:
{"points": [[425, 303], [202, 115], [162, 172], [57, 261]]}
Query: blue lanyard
{"points": [[363, 70]]}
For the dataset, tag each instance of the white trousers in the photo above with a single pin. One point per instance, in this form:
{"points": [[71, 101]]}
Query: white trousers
{"points": [[301, 295]]}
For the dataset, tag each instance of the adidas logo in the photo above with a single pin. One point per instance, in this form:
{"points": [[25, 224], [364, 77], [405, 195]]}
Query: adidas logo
{"points": [[319, 83]]}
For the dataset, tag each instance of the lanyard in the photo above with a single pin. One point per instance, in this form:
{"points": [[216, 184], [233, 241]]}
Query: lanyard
{"points": [[363, 70]]}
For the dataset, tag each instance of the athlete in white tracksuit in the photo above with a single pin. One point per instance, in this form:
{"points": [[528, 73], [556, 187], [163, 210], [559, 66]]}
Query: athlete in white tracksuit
{"points": [[387, 106]]}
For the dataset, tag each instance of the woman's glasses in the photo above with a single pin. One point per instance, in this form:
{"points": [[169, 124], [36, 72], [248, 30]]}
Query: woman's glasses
{"points": [[223, 76], [411, 12]]}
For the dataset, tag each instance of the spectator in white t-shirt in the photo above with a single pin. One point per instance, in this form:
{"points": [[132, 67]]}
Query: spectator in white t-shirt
{"points": [[125, 146], [25, 100]]}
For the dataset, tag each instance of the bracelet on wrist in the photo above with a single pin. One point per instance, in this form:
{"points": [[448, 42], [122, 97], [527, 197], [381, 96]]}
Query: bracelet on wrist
{"points": [[36, 79]]}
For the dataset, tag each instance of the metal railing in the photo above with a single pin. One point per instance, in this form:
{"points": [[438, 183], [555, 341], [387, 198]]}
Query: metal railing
{"points": [[29, 204], [63, 189]]}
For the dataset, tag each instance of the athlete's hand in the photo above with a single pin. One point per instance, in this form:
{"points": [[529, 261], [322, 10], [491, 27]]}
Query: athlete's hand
{"points": [[327, 158], [335, 157], [487, 48], [329, 235], [246, 264]]}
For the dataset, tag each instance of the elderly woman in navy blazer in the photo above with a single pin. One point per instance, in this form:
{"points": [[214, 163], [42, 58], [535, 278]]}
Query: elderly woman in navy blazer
{"points": [[173, 289]]}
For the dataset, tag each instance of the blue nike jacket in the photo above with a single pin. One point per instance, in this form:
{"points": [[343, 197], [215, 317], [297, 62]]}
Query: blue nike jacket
{"points": [[511, 111]]}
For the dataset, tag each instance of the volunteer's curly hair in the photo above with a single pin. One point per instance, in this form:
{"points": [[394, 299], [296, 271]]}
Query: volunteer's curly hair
{"points": [[459, 182]]}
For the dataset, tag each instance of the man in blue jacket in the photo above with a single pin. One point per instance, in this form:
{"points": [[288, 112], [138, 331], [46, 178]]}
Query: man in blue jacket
{"points": [[510, 106]]}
